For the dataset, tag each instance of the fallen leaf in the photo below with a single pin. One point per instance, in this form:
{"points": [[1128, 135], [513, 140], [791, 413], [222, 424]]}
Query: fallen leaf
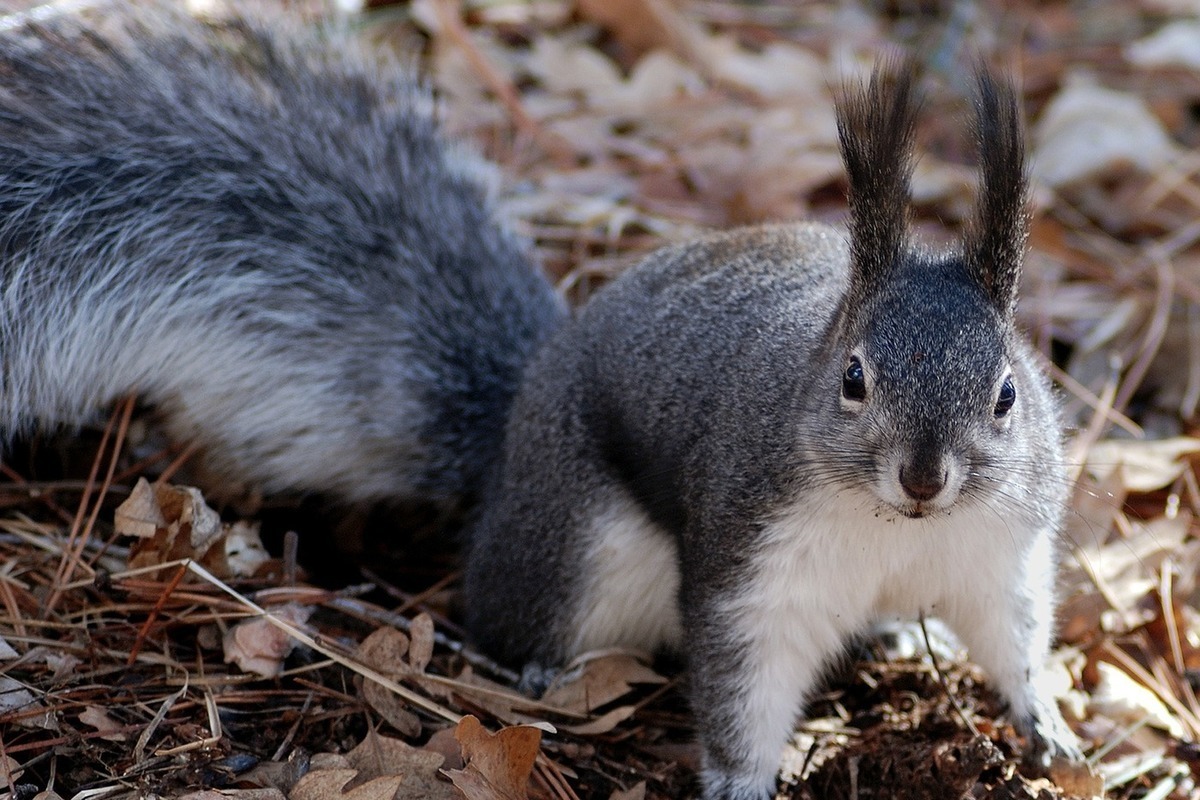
{"points": [[244, 551], [173, 522], [384, 650], [379, 756], [498, 765], [643, 25], [333, 784], [18, 701], [1174, 45], [140, 515], [1123, 699], [1145, 466], [601, 724], [9, 768], [445, 745], [598, 680], [420, 648], [1088, 130], [259, 646], [635, 792], [98, 718], [234, 794]]}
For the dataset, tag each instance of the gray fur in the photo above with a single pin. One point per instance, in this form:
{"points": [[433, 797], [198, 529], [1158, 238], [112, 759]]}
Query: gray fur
{"points": [[702, 393], [266, 237]]}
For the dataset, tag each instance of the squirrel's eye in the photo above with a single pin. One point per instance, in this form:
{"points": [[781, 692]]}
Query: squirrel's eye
{"points": [[854, 383], [1008, 396]]}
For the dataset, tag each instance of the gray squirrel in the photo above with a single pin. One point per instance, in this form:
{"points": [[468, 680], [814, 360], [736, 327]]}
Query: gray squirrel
{"points": [[266, 237], [751, 447], [745, 449]]}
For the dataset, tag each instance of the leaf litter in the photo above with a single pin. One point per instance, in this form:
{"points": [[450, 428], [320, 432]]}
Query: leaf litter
{"points": [[620, 126]]}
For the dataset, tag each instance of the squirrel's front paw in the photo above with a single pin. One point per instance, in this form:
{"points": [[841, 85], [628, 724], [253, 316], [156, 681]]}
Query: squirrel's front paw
{"points": [[536, 678], [1050, 738]]}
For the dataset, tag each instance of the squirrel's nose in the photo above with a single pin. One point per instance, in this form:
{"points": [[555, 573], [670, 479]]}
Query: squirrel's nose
{"points": [[922, 484]]}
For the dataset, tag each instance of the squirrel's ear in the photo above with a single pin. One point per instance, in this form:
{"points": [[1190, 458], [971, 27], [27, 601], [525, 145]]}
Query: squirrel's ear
{"points": [[875, 124], [994, 246]]}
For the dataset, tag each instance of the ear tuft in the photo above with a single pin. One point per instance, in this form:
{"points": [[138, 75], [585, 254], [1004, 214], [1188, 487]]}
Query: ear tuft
{"points": [[876, 125], [994, 246]]}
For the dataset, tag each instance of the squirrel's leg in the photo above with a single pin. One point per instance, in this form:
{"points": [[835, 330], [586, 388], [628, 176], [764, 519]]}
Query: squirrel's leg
{"points": [[1007, 628], [751, 666]]}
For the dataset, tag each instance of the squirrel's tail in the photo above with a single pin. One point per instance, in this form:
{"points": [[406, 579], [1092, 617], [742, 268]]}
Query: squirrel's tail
{"points": [[265, 237]]}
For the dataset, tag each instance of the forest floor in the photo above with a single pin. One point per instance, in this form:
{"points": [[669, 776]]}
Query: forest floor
{"points": [[136, 660]]}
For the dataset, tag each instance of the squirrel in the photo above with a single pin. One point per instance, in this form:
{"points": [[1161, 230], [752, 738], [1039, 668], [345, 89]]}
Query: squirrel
{"points": [[267, 238], [745, 449], [749, 448]]}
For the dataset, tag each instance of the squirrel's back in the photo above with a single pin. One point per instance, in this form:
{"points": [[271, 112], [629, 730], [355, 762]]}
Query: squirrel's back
{"points": [[265, 237]]}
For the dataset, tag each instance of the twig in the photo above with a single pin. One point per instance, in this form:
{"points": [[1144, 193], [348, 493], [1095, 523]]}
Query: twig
{"points": [[450, 19], [306, 639], [942, 679]]}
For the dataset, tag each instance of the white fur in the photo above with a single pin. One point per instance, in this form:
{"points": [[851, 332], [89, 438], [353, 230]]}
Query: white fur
{"points": [[826, 571], [631, 599]]}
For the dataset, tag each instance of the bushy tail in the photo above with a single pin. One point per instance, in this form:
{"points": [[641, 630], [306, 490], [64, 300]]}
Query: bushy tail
{"points": [[266, 237]]}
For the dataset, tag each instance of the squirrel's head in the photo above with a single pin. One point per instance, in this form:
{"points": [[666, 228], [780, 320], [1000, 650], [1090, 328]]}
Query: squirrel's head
{"points": [[924, 348]]}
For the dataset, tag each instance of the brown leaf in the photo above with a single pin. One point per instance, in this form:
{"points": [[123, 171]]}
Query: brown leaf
{"points": [[259, 646], [635, 792], [499, 764], [384, 649], [599, 681], [1076, 779], [108, 728], [334, 784], [173, 522], [140, 514], [391, 707], [602, 724], [640, 25], [377, 756], [420, 649], [234, 794], [445, 745]]}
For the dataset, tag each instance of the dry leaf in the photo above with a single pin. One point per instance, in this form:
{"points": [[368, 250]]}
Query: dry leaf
{"points": [[445, 745], [420, 648], [1176, 45], [1088, 130], [1121, 698], [379, 756], [1145, 465], [7, 653], [140, 515], [1076, 779], [259, 646], [391, 707], [601, 724], [173, 522], [17, 700], [279, 775], [498, 765], [9, 768], [384, 650], [644, 25], [635, 792], [98, 718], [234, 794], [244, 551], [335, 784], [597, 680]]}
